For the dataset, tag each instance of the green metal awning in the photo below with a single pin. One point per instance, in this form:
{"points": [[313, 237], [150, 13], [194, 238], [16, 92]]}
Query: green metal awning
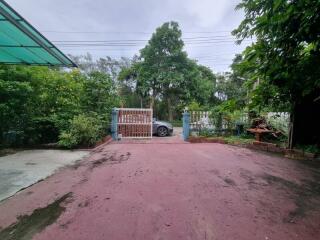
{"points": [[21, 43]]}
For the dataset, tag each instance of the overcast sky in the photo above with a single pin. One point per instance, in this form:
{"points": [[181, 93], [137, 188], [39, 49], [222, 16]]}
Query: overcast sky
{"points": [[121, 27]]}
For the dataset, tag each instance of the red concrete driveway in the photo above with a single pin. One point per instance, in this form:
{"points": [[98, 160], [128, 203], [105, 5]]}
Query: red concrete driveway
{"points": [[170, 191]]}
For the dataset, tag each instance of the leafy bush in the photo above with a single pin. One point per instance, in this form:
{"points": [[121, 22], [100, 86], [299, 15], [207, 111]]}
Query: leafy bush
{"points": [[242, 139], [194, 106], [309, 148], [177, 123], [205, 132], [83, 131], [37, 103], [225, 122], [67, 140]]}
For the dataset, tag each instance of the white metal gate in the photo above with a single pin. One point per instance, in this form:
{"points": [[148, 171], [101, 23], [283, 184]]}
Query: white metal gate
{"points": [[199, 120], [134, 123]]}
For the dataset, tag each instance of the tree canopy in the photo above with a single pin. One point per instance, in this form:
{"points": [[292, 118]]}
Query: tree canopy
{"points": [[164, 71], [287, 48], [284, 60]]}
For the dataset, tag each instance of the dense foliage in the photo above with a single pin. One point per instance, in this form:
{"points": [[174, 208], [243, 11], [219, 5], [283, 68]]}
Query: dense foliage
{"points": [[83, 131], [164, 78], [286, 54], [282, 64], [38, 103], [278, 72]]}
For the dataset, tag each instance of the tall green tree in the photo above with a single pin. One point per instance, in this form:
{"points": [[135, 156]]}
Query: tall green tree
{"points": [[164, 74], [163, 62], [99, 95], [201, 82], [108, 65], [286, 55]]}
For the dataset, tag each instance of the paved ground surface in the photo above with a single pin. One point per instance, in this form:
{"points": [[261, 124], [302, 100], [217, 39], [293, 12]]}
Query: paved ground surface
{"points": [[20, 170], [169, 191], [176, 138]]}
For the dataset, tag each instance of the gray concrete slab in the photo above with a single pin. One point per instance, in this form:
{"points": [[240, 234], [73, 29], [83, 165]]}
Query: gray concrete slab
{"points": [[22, 169]]}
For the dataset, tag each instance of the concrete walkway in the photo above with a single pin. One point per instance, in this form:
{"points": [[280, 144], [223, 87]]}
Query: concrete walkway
{"points": [[20, 170], [170, 192]]}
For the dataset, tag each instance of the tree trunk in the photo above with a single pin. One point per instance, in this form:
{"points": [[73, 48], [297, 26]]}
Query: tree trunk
{"points": [[170, 113], [141, 104], [291, 129], [151, 102], [305, 121]]}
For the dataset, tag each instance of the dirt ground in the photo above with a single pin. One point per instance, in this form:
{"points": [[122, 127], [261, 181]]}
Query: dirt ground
{"points": [[169, 191]]}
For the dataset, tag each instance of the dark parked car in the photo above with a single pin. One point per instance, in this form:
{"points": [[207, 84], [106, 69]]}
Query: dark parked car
{"points": [[161, 128]]}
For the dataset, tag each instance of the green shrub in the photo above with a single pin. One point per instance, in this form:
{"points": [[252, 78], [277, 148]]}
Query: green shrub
{"points": [[84, 131], [205, 132], [309, 148], [67, 140], [242, 139], [177, 123]]}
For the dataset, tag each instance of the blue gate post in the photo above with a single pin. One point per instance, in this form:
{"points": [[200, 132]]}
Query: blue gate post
{"points": [[186, 125], [114, 124]]}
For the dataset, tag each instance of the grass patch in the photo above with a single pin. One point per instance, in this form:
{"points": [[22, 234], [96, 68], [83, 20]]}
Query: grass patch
{"points": [[239, 140], [308, 148]]}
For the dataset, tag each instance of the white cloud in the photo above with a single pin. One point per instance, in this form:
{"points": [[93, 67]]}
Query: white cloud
{"points": [[209, 13]]}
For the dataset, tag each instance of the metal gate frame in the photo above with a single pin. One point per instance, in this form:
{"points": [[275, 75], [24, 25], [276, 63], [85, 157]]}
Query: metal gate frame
{"points": [[134, 123]]}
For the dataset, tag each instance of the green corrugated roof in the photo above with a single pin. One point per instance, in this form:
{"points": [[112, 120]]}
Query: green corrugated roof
{"points": [[21, 43]]}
